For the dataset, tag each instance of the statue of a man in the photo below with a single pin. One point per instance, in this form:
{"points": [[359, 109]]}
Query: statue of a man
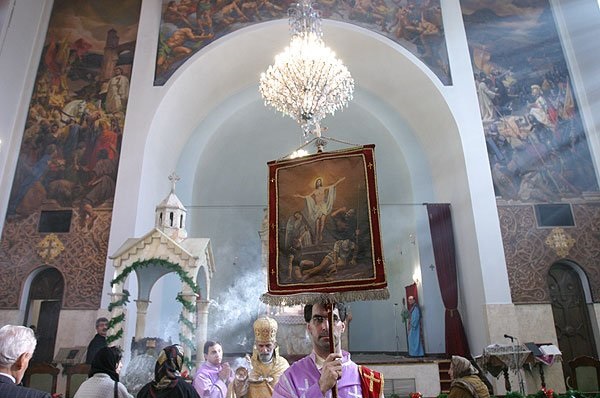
{"points": [[266, 364]]}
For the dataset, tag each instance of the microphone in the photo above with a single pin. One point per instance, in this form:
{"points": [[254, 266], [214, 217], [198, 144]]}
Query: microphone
{"points": [[512, 339]]}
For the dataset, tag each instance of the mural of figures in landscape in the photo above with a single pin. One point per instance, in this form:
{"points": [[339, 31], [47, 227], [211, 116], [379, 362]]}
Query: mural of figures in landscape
{"points": [[189, 25], [536, 142], [68, 160]]}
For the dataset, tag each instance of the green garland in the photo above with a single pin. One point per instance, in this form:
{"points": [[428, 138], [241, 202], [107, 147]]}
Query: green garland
{"points": [[121, 302], [186, 322], [116, 320], [185, 341], [159, 262], [115, 336], [405, 315], [189, 306]]}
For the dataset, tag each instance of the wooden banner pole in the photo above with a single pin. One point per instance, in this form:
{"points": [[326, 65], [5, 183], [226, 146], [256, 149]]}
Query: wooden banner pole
{"points": [[331, 342]]}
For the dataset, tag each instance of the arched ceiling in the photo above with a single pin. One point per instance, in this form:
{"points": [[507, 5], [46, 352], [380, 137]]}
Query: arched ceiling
{"points": [[212, 109]]}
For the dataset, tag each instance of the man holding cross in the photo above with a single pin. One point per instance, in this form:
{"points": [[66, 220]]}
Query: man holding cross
{"points": [[316, 374]]}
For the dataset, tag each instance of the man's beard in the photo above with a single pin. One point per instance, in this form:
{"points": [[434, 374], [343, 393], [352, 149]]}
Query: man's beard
{"points": [[265, 358]]}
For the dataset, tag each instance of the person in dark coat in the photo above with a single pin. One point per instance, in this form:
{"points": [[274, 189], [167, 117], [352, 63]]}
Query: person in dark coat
{"points": [[168, 382], [17, 344], [99, 340]]}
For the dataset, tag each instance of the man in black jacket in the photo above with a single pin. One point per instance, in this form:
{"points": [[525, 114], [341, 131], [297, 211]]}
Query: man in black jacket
{"points": [[17, 344], [98, 341]]}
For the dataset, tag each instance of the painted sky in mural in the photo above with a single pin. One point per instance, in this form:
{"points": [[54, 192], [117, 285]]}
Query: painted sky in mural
{"points": [[536, 142], [71, 143], [188, 26]]}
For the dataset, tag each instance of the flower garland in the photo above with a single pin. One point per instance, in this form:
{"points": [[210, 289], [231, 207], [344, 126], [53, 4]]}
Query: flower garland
{"points": [[189, 306]]}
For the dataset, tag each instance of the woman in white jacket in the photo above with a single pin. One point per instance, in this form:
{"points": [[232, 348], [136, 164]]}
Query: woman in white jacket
{"points": [[103, 379]]}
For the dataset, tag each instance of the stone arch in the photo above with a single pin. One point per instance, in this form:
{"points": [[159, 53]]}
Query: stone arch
{"points": [[420, 113]]}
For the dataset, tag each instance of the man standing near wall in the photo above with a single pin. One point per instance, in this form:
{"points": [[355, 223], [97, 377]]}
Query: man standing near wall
{"points": [[99, 340], [415, 343]]}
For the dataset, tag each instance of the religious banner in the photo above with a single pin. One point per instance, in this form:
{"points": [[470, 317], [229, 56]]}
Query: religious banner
{"points": [[324, 233]]}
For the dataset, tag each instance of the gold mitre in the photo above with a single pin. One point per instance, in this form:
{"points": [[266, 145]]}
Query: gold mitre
{"points": [[265, 330]]}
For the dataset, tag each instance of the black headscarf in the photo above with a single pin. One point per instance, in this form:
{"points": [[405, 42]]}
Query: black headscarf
{"points": [[168, 367], [106, 361]]}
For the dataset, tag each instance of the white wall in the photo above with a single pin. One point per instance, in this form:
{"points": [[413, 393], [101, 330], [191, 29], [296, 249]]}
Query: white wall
{"points": [[19, 58]]}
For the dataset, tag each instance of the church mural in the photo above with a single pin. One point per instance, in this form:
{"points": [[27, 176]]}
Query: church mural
{"points": [[187, 26], [536, 143], [60, 205], [535, 138]]}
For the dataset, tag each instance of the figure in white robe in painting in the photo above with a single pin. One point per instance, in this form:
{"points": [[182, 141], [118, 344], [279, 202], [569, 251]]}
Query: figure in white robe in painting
{"points": [[319, 204]]}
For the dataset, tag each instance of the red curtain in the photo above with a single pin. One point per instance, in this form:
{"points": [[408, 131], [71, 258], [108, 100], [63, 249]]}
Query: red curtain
{"points": [[442, 237], [411, 290]]}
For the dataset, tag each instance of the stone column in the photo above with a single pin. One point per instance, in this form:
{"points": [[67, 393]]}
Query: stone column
{"points": [[201, 328], [140, 323], [114, 313], [183, 328]]}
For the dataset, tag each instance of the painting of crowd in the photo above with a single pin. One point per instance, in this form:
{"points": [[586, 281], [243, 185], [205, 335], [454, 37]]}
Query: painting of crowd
{"points": [[189, 25], [72, 138], [535, 138]]}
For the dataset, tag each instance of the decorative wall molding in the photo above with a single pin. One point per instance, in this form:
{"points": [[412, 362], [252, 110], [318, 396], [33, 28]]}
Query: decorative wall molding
{"points": [[529, 257]]}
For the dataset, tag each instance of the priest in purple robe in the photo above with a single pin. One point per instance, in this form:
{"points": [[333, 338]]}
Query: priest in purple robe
{"points": [[316, 374], [214, 375]]}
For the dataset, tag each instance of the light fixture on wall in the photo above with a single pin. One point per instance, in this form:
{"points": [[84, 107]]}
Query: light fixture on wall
{"points": [[416, 276], [307, 81]]}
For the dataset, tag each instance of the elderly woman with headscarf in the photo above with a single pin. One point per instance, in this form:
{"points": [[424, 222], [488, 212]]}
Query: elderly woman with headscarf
{"points": [[103, 379], [168, 382], [465, 380]]}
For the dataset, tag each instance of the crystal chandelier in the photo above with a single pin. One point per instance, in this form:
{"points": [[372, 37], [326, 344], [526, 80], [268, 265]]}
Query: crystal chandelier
{"points": [[307, 81]]}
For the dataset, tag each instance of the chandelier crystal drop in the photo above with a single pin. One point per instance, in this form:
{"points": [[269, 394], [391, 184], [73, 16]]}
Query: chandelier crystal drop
{"points": [[307, 82]]}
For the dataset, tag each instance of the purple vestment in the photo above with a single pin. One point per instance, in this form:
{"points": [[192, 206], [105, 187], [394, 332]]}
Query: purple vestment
{"points": [[207, 382], [301, 380]]}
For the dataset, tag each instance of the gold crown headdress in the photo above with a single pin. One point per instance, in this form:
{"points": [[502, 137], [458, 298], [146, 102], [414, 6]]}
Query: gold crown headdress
{"points": [[265, 330]]}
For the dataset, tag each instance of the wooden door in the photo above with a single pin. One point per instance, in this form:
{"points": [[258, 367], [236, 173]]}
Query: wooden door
{"points": [[571, 317], [46, 330], [46, 290]]}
